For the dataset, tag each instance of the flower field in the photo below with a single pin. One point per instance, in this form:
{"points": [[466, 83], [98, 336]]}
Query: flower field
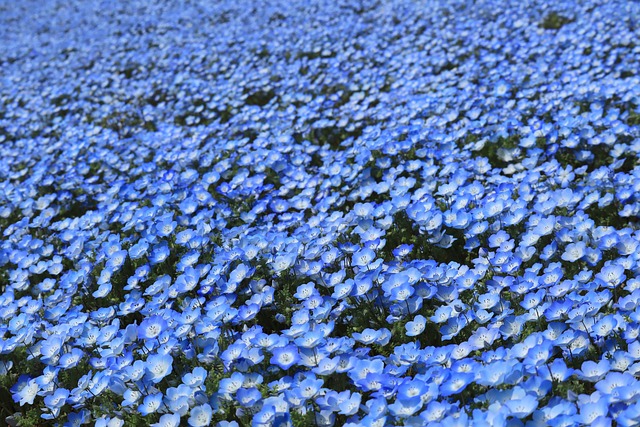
{"points": [[320, 213]]}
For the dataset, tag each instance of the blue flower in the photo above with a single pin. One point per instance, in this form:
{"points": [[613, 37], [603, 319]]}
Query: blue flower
{"points": [[363, 258], [116, 261], [523, 406], [248, 397], [309, 339], [416, 326], [159, 253], [285, 357], [367, 337], [152, 327], [456, 383], [159, 366], [168, 420], [402, 251], [590, 411], [165, 227], [309, 387], [25, 390], [200, 416], [283, 262], [404, 408], [605, 326], [78, 418], [264, 417], [611, 385], [50, 348], [232, 384], [150, 404], [58, 399], [611, 275], [574, 252], [105, 421], [402, 292], [195, 378], [187, 281]]}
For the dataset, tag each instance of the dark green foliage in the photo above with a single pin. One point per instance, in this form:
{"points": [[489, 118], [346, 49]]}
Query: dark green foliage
{"points": [[554, 21]]}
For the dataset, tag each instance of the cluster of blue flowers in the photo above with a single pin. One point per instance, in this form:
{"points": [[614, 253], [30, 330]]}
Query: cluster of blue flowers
{"points": [[359, 213]]}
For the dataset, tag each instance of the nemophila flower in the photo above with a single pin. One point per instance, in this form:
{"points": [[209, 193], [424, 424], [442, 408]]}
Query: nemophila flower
{"points": [[200, 416], [152, 327], [522, 407], [309, 387], [483, 337], [621, 361], [611, 275], [406, 407], [608, 240], [532, 300], [232, 384], [549, 251], [248, 397], [105, 284], [159, 253], [168, 420], [367, 336], [402, 292], [285, 357], [25, 390], [577, 343], [363, 258], [187, 281], [443, 314], [487, 301], [482, 316], [452, 328], [165, 227], [195, 378], [239, 274], [593, 256], [283, 262], [412, 388], [539, 355], [70, 359], [161, 284], [264, 417], [159, 366], [614, 383], [188, 260], [574, 252], [326, 366], [402, 250], [233, 353], [309, 339], [342, 290], [605, 326], [105, 421], [627, 245], [416, 326], [633, 350], [116, 260], [456, 383], [150, 404], [78, 418], [590, 412], [138, 250], [50, 348], [361, 369], [447, 294]]}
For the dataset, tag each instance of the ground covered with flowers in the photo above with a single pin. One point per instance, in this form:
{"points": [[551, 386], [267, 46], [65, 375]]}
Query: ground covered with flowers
{"points": [[319, 213]]}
